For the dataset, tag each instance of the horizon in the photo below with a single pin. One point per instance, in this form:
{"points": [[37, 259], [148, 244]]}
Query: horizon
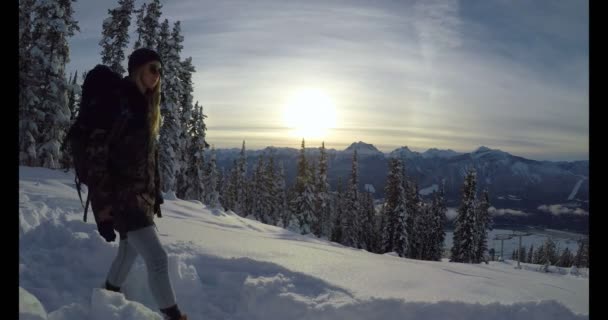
{"points": [[426, 74], [384, 151]]}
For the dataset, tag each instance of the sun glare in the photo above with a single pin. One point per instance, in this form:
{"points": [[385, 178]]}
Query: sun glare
{"points": [[309, 113]]}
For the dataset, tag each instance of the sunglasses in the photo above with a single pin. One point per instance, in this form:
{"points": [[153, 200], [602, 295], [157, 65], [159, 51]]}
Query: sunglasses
{"points": [[155, 69]]}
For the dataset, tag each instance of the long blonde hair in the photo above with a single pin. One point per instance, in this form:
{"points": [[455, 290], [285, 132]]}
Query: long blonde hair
{"points": [[153, 98]]}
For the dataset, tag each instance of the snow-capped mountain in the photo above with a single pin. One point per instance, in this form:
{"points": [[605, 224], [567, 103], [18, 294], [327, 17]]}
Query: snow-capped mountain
{"points": [[505, 176]]}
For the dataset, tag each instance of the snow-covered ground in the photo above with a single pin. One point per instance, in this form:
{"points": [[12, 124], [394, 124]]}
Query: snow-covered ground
{"points": [[227, 267]]}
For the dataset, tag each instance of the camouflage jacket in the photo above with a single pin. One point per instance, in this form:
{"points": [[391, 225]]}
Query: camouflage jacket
{"points": [[128, 180]]}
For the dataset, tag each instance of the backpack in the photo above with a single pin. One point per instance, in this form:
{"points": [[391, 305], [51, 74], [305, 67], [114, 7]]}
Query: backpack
{"points": [[99, 111]]}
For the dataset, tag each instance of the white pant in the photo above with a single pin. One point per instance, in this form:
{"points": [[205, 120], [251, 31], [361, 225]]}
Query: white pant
{"points": [[145, 242]]}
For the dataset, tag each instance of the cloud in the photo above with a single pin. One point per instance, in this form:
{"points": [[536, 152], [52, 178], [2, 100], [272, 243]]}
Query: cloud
{"points": [[558, 209], [454, 74], [501, 212]]}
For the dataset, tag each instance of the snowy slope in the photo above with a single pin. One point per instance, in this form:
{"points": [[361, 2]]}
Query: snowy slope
{"points": [[227, 267]]}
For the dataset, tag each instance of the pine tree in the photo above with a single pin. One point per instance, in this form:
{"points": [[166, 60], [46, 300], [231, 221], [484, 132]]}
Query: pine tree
{"points": [[148, 25], [539, 255], [273, 186], [352, 218], [413, 220], [241, 183], [395, 200], [302, 203], [194, 173], [463, 249], [115, 35], [323, 205], [566, 259], [336, 231], [73, 100], [141, 28], [438, 219], [549, 251], [530, 254], [284, 213], [176, 106], [257, 192], [230, 193], [482, 221], [212, 181], [29, 117], [581, 259], [370, 232], [186, 113], [53, 24]]}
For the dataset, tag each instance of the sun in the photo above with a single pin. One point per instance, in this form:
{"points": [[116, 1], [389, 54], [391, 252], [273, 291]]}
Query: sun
{"points": [[309, 113]]}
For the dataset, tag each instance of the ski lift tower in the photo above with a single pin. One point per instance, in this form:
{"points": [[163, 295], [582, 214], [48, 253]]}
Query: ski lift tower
{"points": [[502, 238], [519, 234]]}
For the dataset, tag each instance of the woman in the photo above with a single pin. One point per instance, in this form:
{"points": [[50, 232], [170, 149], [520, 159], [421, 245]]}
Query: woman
{"points": [[131, 196]]}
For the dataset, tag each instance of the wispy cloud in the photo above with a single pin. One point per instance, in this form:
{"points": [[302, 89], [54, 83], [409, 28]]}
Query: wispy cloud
{"points": [[449, 74], [558, 209]]}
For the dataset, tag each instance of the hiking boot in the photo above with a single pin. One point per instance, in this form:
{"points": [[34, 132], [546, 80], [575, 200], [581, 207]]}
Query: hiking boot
{"points": [[173, 313]]}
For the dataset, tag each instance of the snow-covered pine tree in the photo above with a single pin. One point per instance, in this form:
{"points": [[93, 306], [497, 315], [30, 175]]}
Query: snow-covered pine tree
{"points": [[172, 112], [230, 184], [115, 35], [370, 232], [316, 223], [212, 182], [73, 101], [425, 230], [581, 260], [539, 255], [337, 234], [272, 184], [401, 242], [141, 27], [566, 259], [257, 191], [186, 113], [463, 249], [394, 194], [302, 204], [148, 25], [413, 219], [323, 206], [284, 213], [241, 183], [53, 24], [530, 254], [438, 209], [352, 218], [482, 221], [29, 117], [194, 173], [549, 251]]}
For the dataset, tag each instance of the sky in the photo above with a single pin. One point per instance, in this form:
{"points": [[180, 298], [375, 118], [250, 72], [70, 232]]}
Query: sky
{"points": [[224, 266], [509, 75]]}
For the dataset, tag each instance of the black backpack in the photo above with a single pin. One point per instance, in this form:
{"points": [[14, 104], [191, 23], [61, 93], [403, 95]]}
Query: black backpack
{"points": [[99, 109]]}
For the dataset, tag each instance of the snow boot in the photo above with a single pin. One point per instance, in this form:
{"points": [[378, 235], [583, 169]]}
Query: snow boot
{"points": [[173, 313]]}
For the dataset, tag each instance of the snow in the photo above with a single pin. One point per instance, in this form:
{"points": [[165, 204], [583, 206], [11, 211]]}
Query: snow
{"points": [[436, 153], [575, 189], [223, 266], [429, 190]]}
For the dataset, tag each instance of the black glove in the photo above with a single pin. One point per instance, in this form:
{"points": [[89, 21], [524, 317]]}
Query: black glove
{"points": [[106, 230]]}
